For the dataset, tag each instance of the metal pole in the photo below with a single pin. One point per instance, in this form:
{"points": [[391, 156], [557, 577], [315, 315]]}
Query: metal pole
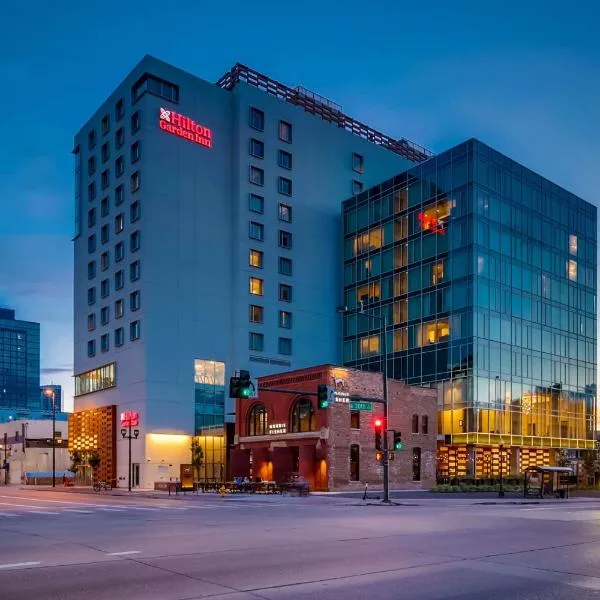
{"points": [[386, 454], [129, 477], [53, 438], [501, 492], [5, 459]]}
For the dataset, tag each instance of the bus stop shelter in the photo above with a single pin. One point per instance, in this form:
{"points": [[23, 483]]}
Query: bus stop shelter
{"points": [[546, 481]]}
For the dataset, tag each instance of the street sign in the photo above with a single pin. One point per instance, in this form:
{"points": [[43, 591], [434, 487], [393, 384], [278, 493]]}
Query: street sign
{"points": [[357, 405]]}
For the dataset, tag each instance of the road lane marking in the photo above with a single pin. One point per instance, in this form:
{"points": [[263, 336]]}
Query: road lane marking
{"points": [[8, 515], [112, 509], [124, 553], [15, 565], [76, 510], [42, 512]]}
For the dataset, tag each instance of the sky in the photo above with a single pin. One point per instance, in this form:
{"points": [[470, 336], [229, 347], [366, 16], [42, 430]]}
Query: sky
{"points": [[523, 77]]}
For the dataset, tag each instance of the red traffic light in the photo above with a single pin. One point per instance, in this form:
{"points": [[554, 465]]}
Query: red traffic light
{"points": [[378, 422]]}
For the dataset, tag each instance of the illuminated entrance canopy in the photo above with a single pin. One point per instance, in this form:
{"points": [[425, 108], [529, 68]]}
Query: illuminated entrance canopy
{"points": [[177, 124]]}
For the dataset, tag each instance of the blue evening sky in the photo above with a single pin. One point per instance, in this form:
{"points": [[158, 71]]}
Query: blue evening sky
{"points": [[523, 76]]}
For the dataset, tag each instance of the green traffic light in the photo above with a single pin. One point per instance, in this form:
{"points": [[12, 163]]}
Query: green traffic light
{"points": [[398, 446], [245, 392]]}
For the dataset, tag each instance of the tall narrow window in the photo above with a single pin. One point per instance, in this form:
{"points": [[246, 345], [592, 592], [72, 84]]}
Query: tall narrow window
{"points": [[257, 231], [416, 464], [285, 159], [257, 203], [425, 424], [285, 131], [256, 286], [285, 212], [415, 423], [285, 239], [256, 259], [134, 330], [285, 319], [257, 119], [285, 293], [354, 462], [284, 186], [257, 148], [256, 313], [358, 163], [257, 176]]}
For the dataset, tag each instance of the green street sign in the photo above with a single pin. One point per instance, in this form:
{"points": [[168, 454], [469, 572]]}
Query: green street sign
{"points": [[361, 405]]}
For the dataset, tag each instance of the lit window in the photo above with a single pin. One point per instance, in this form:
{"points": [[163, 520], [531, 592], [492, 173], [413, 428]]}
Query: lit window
{"points": [[257, 420], [119, 137], [257, 203], [119, 166], [135, 181], [104, 234], [358, 163], [134, 211], [432, 333], [285, 212], [119, 195], [119, 336], [134, 300], [257, 342], [91, 269], [285, 292], [91, 165], [256, 286], [119, 109], [119, 309], [135, 152], [104, 260], [104, 207], [119, 279], [435, 217], [284, 185], [285, 159], [573, 244], [285, 131], [400, 339], [104, 288], [437, 273], [91, 139], [134, 330], [136, 122], [256, 259], [119, 223], [91, 348], [256, 313], [91, 295], [572, 270], [119, 251], [91, 321], [285, 346], [257, 176], [285, 319], [105, 178], [257, 231], [357, 187], [369, 346], [91, 217], [285, 239], [105, 124], [134, 271], [257, 119], [285, 266], [134, 241], [257, 148], [95, 380], [104, 315]]}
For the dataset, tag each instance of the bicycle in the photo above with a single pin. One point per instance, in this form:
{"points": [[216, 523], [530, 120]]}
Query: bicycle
{"points": [[101, 485]]}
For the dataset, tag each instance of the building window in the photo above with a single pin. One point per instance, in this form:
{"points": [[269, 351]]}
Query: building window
{"points": [[431, 333], [136, 121], [285, 239], [104, 234], [135, 182], [416, 464], [156, 86], [303, 417], [572, 270], [358, 163], [135, 152], [119, 309], [119, 279], [285, 292], [91, 243], [104, 207], [104, 315], [415, 423], [257, 203], [91, 217], [91, 320], [119, 109], [285, 131], [134, 331], [285, 319], [285, 212], [134, 241], [91, 191], [573, 244], [105, 178], [104, 288], [257, 176], [119, 336], [119, 137], [437, 273], [257, 231], [134, 301], [105, 152], [91, 165], [91, 348], [285, 159], [425, 424], [357, 187], [119, 223], [369, 346], [257, 119], [95, 380], [134, 211], [284, 186], [105, 260], [355, 419], [256, 259], [256, 313], [91, 139], [119, 195], [92, 269], [257, 341], [285, 346], [91, 296], [134, 271], [354, 462], [119, 251], [257, 420], [285, 265], [105, 124], [119, 166], [256, 286], [257, 148]]}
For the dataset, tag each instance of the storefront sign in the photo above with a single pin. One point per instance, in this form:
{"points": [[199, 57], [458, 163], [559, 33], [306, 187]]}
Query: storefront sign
{"points": [[361, 405], [177, 124], [341, 397], [130, 418], [277, 428]]}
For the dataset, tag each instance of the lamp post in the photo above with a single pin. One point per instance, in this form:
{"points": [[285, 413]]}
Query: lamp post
{"points": [[129, 420], [50, 393], [501, 491], [386, 455]]}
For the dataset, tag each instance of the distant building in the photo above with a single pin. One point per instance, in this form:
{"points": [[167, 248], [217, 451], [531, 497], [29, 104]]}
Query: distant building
{"points": [[48, 395], [19, 362]]}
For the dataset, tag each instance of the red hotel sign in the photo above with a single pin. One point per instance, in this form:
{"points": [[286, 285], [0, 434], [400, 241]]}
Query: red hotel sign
{"points": [[130, 418], [177, 124]]}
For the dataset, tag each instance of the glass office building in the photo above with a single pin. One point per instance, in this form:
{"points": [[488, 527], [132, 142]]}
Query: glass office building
{"points": [[486, 273]]}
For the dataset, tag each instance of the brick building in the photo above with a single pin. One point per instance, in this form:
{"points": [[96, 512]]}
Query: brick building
{"points": [[334, 448]]}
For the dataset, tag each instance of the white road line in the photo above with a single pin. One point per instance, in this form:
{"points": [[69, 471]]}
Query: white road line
{"points": [[76, 510], [124, 553], [8, 515], [112, 509], [124, 506], [53, 501], [15, 565], [20, 505], [42, 512]]}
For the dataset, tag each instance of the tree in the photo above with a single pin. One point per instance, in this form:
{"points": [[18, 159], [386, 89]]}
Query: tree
{"points": [[197, 458], [562, 459], [590, 465], [76, 461], [94, 461]]}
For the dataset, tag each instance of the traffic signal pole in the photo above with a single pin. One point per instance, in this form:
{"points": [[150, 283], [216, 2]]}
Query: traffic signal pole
{"points": [[386, 453]]}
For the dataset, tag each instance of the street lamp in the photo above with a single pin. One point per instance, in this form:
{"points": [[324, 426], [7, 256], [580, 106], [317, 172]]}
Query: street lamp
{"points": [[50, 393], [501, 491], [386, 456], [128, 436]]}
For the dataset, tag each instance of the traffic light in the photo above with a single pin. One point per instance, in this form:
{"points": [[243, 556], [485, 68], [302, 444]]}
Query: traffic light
{"points": [[378, 455], [397, 440], [240, 386], [322, 396], [378, 425]]}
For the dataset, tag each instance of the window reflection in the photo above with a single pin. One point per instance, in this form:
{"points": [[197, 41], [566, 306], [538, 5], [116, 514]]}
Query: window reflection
{"points": [[572, 270], [432, 333], [437, 273], [369, 346]]}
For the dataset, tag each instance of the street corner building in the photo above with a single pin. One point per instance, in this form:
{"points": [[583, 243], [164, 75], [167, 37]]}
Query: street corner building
{"points": [[487, 274], [201, 210], [284, 431]]}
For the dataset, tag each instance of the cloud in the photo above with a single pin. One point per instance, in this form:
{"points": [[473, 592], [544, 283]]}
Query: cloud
{"points": [[55, 370]]}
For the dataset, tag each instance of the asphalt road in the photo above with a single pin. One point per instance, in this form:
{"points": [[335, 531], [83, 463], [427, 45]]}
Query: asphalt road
{"points": [[71, 546]]}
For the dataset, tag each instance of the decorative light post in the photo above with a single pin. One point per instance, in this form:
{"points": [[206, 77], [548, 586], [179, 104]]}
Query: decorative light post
{"points": [[129, 419], [50, 393], [501, 491]]}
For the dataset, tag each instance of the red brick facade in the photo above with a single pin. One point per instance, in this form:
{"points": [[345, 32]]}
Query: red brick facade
{"points": [[321, 452]]}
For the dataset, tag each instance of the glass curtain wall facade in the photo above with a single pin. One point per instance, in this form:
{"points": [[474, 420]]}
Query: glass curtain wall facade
{"points": [[209, 378], [487, 274]]}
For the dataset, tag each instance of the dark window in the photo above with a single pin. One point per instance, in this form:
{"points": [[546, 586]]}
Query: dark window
{"points": [[285, 346], [257, 231], [415, 423], [256, 342], [104, 315], [119, 336], [104, 288], [104, 260], [135, 181], [134, 330], [257, 119], [285, 319], [357, 187], [135, 151], [354, 462], [358, 163], [257, 420], [355, 419], [285, 159], [119, 251], [120, 137], [91, 139], [134, 241], [91, 321], [257, 203], [91, 296], [156, 86], [134, 301], [104, 207], [105, 178], [285, 292], [119, 309], [303, 417], [416, 464], [105, 124], [104, 343], [104, 234], [119, 279], [285, 131], [136, 121], [91, 243], [256, 313], [285, 239], [134, 211], [424, 424], [134, 271], [91, 217], [91, 348], [119, 195], [285, 265], [92, 269], [120, 166], [284, 186], [119, 109], [257, 148], [285, 212], [105, 152], [91, 165], [119, 222], [92, 191], [257, 176]]}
